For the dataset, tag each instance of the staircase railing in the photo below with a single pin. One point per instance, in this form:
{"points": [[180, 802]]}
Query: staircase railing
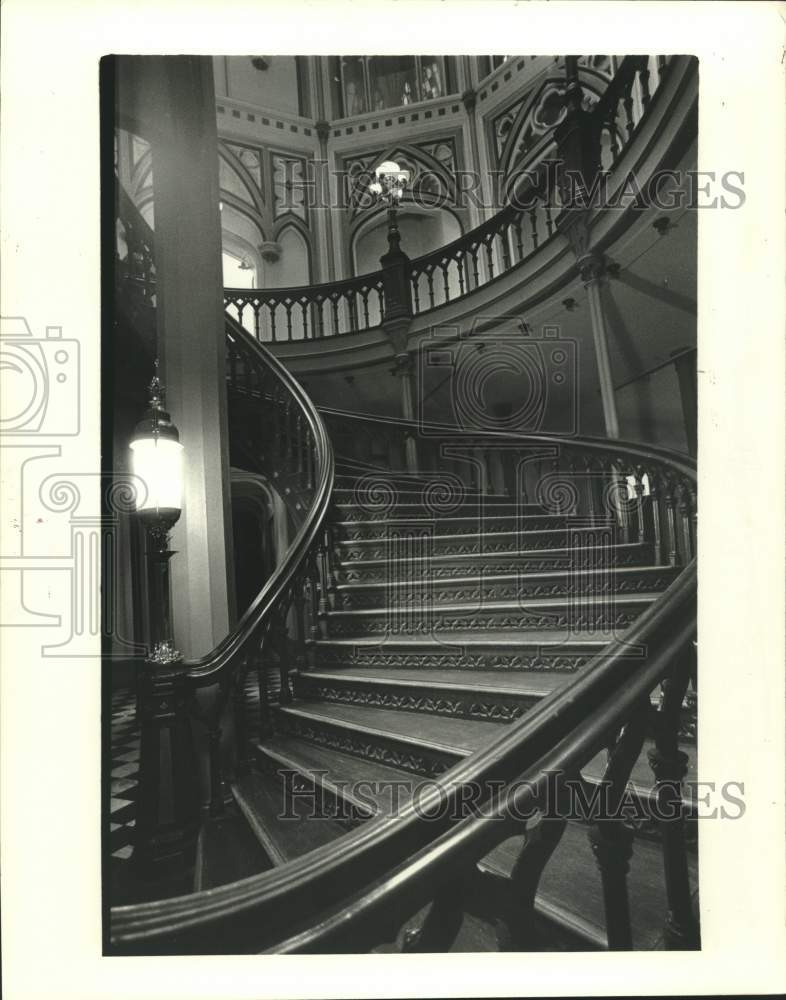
{"points": [[354, 893]]}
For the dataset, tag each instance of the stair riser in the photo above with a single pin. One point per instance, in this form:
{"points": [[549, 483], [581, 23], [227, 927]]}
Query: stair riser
{"points": [[417, 597], [428, 700], [361, 511], [425, 546], [368, 572], [571, 619], [560, 660], [424, 761], [391, 528]]}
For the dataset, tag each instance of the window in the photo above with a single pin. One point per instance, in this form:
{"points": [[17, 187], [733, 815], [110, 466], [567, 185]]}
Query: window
{"points": [[487, 64], [375, 83]]}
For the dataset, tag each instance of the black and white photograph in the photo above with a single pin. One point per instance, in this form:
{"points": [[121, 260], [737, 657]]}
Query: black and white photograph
{"points": [[384, 579], [403, 397]]}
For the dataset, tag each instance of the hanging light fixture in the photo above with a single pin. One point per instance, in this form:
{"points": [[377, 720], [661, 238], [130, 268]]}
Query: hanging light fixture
{"points": [[157, 462]]}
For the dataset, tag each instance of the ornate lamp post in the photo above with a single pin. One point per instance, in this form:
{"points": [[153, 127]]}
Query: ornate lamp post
{"points": [[157, 460], [388, 188], [167, 819]]}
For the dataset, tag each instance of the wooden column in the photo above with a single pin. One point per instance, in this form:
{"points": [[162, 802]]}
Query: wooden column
{"points": [[685, 367], [593, 274]]}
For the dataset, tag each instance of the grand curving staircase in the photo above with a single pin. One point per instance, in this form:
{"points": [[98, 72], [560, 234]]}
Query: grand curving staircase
{"points": [[403, 743], [422, 664]]}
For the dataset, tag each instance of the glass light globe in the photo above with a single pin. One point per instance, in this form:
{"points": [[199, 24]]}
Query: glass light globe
{"points": [[158, 462]]}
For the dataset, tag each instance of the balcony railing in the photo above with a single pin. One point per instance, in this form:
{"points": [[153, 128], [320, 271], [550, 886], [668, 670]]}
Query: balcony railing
{"points": [[495, 248]]}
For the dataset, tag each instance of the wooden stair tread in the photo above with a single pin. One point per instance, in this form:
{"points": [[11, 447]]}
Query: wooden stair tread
{"points": [[262, 799], [341, 771], [481, 681], [458, 736]]}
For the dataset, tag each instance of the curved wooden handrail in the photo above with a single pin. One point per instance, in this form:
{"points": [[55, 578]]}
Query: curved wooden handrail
{"points": [[332, 883], [205, 669]]}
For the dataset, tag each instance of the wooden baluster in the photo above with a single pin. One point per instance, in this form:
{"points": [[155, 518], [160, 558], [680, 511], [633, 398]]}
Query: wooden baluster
{"points": [[288, 312], [519, 238], [304, 317], [366, 320], [549, 219], [503, 238], [430, 283], [320, 306], [533, 221], [460, 267], [489, 258], [638, 488], [298, 599], [515, 921], [266, 728], [657, 543], [627, 103], [272, 309], [670, 501], [445, 282], [283, 647], [670, 765], [685, 498], [334, 306], [611, 125], [644, 81], [610, 839], [475, 275], [315, 597], [416, 291], [661, 67]]}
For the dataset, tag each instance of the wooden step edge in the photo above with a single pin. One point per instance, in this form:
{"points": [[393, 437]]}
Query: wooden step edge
{"points": [[317, 779], [392, 681], [359, 727], [567, 920], [269, 845]]}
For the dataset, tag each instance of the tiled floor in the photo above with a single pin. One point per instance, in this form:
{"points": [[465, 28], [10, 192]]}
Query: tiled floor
{"points": [[124, 776]]}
